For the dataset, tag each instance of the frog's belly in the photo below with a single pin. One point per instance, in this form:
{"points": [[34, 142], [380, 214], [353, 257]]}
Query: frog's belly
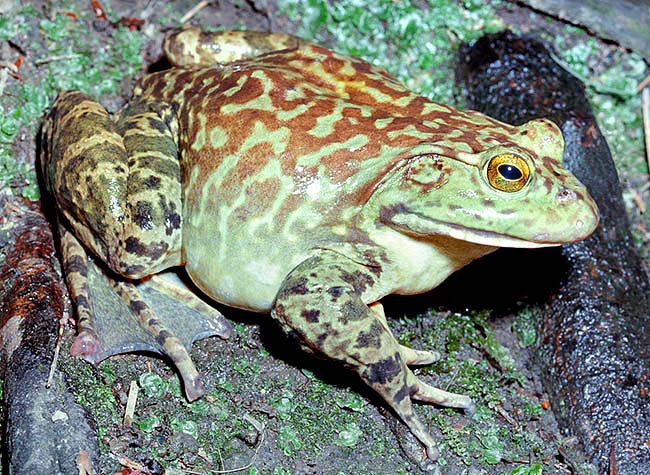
{"points": [[243, 274]]}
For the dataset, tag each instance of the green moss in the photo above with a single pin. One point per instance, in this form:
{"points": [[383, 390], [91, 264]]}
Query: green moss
{"points": [[71, 58], [153, 385], [533, 469], [415, 44], [94, 393], [525, 326]]}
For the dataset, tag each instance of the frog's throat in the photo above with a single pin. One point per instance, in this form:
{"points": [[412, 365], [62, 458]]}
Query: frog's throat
{"points": [[423, 226]]}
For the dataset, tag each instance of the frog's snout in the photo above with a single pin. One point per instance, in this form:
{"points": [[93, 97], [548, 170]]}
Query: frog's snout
{"points": [[586, 215], [565, 195]]}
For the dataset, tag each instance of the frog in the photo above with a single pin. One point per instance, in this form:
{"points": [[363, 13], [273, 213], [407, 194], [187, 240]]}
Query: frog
{"points": [[293, 181]]}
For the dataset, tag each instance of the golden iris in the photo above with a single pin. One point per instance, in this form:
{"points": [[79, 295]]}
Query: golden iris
{"points": [[507, 172]]}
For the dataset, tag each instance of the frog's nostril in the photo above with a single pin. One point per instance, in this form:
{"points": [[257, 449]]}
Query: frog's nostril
{"points": [[565, 194]]}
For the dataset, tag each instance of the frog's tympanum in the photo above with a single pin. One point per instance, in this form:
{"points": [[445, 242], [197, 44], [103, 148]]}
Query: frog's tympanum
{"points": [[292, 180]]}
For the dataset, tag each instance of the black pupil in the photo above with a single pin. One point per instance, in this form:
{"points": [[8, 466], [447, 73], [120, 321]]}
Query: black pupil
{"points": [[510, 172]]}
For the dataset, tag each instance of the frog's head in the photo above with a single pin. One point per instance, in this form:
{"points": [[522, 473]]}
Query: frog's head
{"points": [[513, 193]]}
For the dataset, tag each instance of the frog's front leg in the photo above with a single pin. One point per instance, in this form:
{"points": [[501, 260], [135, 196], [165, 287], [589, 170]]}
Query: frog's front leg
{"points": [[117, 189], [321, 305]]}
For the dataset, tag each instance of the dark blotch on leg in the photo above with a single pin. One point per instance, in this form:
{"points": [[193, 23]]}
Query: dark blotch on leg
{"points": [[310, 315], [172, 219], [134, 246], [404, 392], [383, 371], [152, 182], [335, 292], [82, 301], [77, 264], [153, 250], [294, 287], [358, 280], [352, 310], [371, 338], [143, 215], [163, 336], [137, 306]]}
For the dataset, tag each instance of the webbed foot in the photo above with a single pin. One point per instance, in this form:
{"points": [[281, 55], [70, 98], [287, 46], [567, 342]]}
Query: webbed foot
{"points": [[122, 318]]}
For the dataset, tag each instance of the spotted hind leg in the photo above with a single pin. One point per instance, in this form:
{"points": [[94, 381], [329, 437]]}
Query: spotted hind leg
{"points": [[320, 304], [116, 182], [410, 356]]}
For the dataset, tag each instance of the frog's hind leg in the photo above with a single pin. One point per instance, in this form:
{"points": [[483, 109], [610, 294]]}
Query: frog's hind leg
{"points": [[191, 46], [116, 317], [116, 184], [410, 356], [320, 305], [117, 189]]}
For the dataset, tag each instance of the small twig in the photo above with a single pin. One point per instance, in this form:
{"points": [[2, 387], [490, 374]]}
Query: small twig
{"points": [[636, 196], [645, 106], [84, 465], [3, 79], [128, 463], [507, 417], [197, 8], [517, 460], [11, 68], [50, 377], [613, 466], [56, 58], [644, 83], [9, 65], [130, 404]]}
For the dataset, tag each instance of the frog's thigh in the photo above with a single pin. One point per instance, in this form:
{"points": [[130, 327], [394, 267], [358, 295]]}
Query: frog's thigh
{"points": [[117, 185], [319, 304]]}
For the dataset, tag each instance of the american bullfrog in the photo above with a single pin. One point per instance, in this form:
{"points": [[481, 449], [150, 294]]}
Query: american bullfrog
{"points": [[292, 180]]}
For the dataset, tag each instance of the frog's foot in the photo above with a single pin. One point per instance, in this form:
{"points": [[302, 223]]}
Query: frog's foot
{"points": [[410, 356], [116, 317]]}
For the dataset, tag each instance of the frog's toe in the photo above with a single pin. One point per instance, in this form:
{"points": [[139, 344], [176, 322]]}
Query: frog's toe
{"points": [[471, 409], [87, 346], [404, 410], [418, 357], [427, 393]]}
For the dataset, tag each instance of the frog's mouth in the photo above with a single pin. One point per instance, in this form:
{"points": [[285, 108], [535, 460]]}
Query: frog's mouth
{"points": [[415, 224]]}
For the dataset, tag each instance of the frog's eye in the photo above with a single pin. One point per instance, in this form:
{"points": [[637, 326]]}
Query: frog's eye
{"points": [[507, 172]]}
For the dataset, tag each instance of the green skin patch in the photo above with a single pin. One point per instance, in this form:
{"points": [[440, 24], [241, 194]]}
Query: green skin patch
{"points": [[290, 179]]}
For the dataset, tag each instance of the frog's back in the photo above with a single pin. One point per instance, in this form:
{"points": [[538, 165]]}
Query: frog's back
{"points": [[280, 152], [276, 151]]}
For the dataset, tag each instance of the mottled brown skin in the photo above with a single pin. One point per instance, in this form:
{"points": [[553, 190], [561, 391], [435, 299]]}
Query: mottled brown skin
{"points": [[290, 179]]}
